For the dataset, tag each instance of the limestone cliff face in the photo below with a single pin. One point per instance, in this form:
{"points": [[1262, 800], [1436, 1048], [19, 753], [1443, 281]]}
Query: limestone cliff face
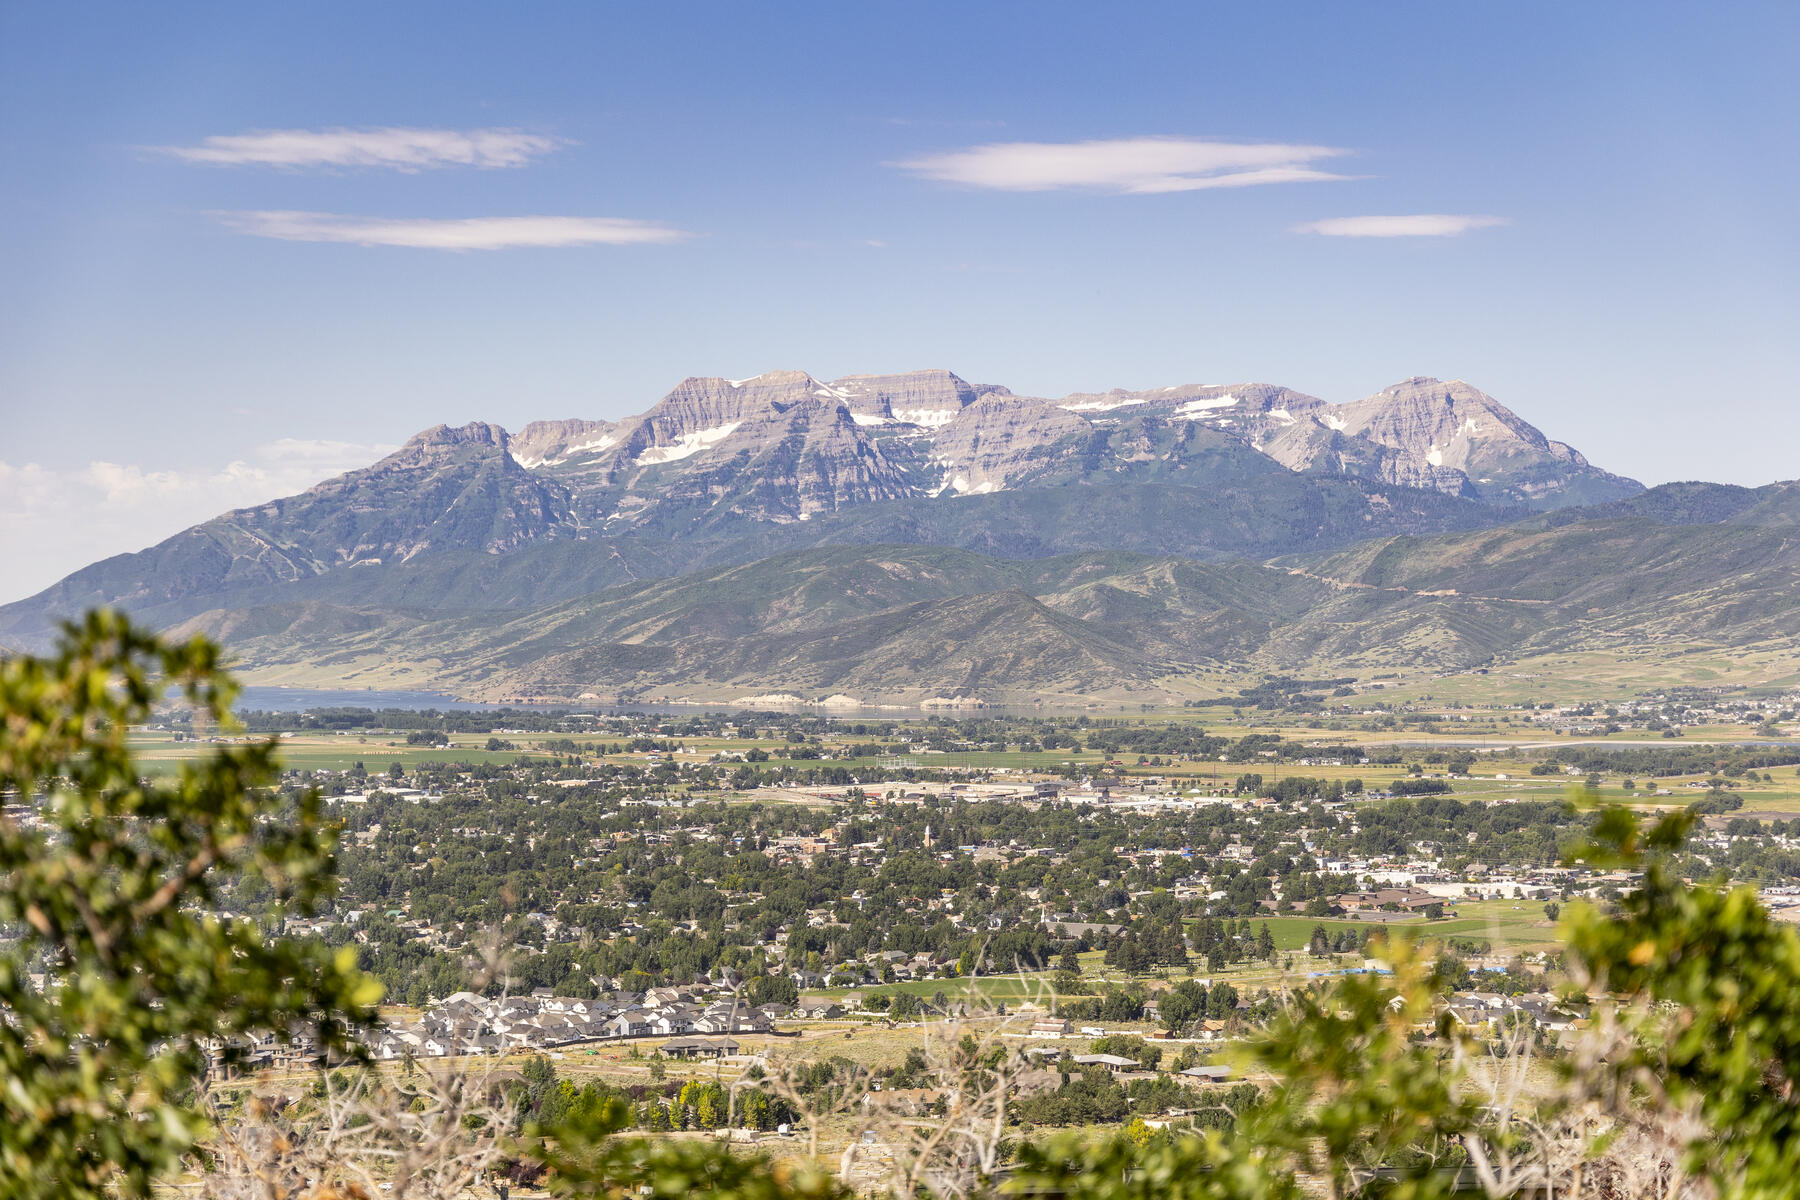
{"points": [[929, 399], [551, 443], [1316, 447], [784, 446], [1232, 404], [1000, 440], [780, 447], [1450, 425]]}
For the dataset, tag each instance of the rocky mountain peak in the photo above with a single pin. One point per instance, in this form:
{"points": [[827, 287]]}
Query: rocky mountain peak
{"points": [[1451, 436], [930, 398], [998, 439], [550, 443], [475, 433], [444, 443], [1446, 424]]}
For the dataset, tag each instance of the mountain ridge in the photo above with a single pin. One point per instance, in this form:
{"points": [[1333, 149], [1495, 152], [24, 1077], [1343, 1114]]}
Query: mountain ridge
{"points": [[722, 470]]}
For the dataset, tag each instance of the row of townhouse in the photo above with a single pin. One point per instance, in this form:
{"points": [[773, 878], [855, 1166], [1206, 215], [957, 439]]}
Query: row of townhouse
{"points": [[1490, 1010], [466, 1023]]}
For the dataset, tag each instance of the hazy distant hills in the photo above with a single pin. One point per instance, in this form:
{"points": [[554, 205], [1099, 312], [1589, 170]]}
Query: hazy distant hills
{"points": [[726, 471], [892, 538]]}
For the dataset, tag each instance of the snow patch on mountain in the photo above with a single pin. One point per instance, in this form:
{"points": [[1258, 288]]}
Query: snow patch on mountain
{"points": [[1194, 408], [601, 443], [688, 444], [930, 418], [1106, 405]]}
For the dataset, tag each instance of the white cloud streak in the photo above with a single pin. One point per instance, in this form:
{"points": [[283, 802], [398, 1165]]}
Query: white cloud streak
{"points": [[56, 521], [1134, 166], [393, 148], [1415, 225], [464, 233]]}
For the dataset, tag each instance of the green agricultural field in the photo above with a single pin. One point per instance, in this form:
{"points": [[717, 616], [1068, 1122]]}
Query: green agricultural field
{"points": [[1511, 926], [1602, 675], [161, 753], [1013, 760]]}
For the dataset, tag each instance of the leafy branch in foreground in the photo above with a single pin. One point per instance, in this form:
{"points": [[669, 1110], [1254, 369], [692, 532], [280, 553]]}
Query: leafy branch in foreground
{"points": [[110, 886], [1680, 1083], [1712, 991], [587, 1156]]}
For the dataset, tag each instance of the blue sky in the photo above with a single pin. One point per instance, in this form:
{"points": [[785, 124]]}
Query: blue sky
{"points": [[195, 313]]}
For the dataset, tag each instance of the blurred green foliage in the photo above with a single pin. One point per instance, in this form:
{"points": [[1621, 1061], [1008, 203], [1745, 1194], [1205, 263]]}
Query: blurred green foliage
{"points": [[112, 891]]}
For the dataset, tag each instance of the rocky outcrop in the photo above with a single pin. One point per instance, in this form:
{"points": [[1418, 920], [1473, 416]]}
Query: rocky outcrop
{"points": [[552, 443], [1000, 440], [1452, 435], [778, 447], [929, 399], [449, 488]]}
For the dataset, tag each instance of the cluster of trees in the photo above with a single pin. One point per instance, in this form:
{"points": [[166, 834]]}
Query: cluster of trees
{"points": [[543, 1098], [1112, 1004], [627, 891], [1730, 762], [1136, 952], [1296, 788], [1420, 787], [1285, 693], [1191, 1001], [1341, 940], [1094, 1096], [1221, 942]]}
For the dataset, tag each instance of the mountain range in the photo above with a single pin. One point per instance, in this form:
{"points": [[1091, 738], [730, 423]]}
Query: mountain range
{"points": [[914, 533]]}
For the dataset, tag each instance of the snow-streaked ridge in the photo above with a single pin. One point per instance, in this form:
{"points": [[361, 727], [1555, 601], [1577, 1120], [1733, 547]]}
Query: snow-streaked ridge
{"points": [[688, 444], [1101, 405], [930, 418], [1194, 408]]}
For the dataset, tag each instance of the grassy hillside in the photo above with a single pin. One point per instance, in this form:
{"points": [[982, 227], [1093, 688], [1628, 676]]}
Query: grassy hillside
{"points": [[464, 531], [908, 622]]}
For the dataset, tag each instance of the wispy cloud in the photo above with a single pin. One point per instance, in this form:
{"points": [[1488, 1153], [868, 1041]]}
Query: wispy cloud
{"points": [[461, 233], [391, 147], [1142, 165], [53, 521], [1414, 225]]}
